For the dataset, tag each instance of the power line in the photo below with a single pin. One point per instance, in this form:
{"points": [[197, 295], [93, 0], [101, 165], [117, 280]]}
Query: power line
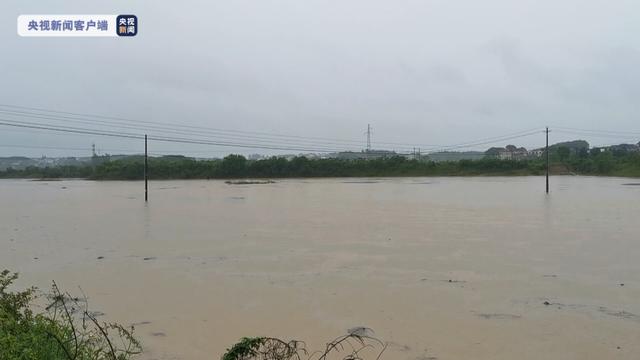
{"points": [[228, 138], [491, 140], [270, 139], [129, 151], [78, 130], [265, 138], [166, 129], [137, 136], [66, 129], [254, 139], [598, 135], [121, 134], [127, 121], [86, 132], [613, 132], [58, 147]]}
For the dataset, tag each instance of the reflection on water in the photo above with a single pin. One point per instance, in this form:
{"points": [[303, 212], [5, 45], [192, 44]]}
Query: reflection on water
{"points": [[460, 268]]}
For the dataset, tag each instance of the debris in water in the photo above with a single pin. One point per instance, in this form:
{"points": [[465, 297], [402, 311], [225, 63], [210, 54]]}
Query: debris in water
{"points": [[399, 347], [100, 257], [455, 281], [619, 313], [361, 331], [141, 323], [149, 258], [249, 182], [500, 316]]}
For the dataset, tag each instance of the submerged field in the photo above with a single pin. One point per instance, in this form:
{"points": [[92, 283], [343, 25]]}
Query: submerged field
{"points": [[446, 268]]}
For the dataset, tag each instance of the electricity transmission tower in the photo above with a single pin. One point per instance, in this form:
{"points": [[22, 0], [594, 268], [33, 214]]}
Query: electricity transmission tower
{"points": [[368, 137]]}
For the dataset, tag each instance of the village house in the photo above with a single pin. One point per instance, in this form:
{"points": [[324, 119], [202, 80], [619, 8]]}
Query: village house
{"points": [[509, 152]]}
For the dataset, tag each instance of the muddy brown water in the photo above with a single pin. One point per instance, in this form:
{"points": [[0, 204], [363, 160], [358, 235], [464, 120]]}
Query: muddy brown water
{"points": [[446, 268]]}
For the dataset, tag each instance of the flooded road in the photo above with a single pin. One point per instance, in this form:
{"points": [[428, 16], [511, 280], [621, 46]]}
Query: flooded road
{"points": [[441, 268]]}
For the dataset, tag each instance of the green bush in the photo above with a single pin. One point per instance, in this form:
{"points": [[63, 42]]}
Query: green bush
{"points": [[64, 331], [358, 344]]}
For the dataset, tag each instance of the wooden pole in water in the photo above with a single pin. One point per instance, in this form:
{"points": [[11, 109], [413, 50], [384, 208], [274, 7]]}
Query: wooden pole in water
{"points": [[146, 176], [547, 153]]}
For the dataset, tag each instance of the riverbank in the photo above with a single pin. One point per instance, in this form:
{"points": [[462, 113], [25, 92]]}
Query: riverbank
{"points": [[237, 167]]}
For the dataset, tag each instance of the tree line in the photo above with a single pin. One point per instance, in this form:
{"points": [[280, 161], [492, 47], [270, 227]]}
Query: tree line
{"points": [[563, 161]]}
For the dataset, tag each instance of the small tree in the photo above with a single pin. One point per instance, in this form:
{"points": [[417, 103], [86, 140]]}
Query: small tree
{"points": [[234, 166], [563, 153], [358, 344]]}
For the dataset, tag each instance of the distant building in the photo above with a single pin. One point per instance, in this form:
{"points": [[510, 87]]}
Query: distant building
{"points": [[255, 157], [456, 156], [575, 146], [365, 154], [535, 153], [509, 152]]}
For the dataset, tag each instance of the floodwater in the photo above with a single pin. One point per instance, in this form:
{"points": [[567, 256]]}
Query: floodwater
{"points": [[440, 268]]}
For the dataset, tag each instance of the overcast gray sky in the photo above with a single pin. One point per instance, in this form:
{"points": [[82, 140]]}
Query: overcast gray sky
{"points": [[420, 72]]}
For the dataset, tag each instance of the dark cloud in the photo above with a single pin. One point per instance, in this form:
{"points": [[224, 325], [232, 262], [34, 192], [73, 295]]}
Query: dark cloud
{"points": [[419, 71]]}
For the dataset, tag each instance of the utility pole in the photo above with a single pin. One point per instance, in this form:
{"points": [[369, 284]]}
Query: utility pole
{"points": [[368, 137], [146, 173], [547, 153]]}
